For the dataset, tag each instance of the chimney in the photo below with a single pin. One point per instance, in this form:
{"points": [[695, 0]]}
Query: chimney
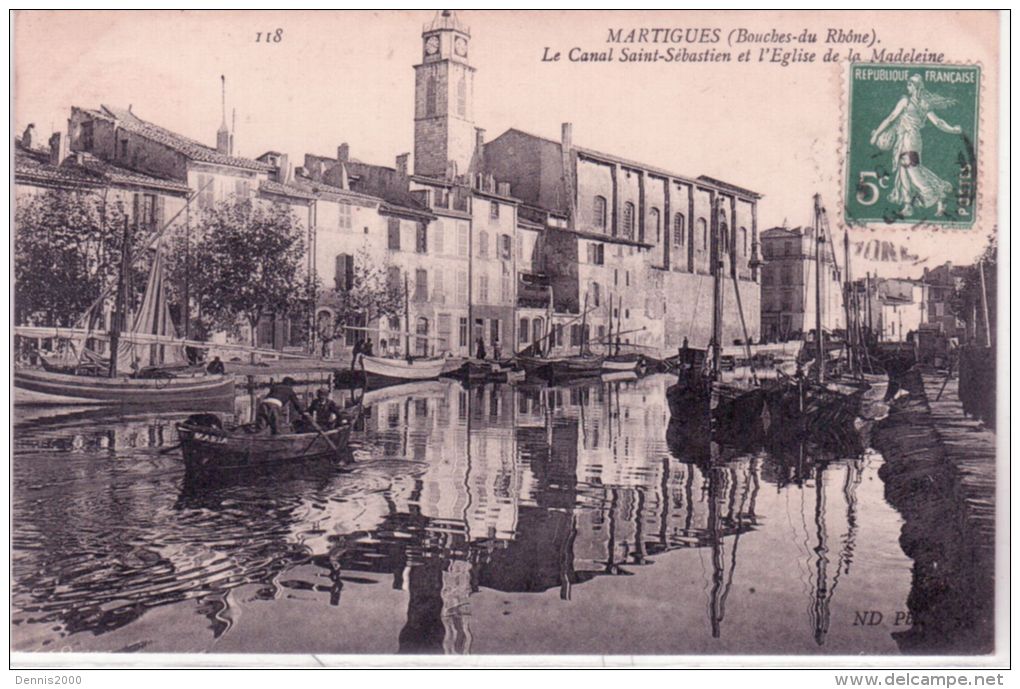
{"points": [[479, 141], [503, 189], [567, 162], [223, 134], [343, 153], [402, 164], [58, 149], [283, 168]]}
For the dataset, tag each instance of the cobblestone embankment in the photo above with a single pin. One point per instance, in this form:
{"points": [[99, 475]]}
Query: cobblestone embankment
{"points": [[939, 473]]}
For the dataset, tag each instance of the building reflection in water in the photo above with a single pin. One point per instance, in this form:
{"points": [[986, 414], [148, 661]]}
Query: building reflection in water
{"points": [[512, 489]]}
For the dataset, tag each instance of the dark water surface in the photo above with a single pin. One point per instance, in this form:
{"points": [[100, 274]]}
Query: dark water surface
{"points": [[490, 520]]}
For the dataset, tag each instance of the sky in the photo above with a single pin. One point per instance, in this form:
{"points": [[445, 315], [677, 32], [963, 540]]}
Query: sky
{"points": [[347, 77]]}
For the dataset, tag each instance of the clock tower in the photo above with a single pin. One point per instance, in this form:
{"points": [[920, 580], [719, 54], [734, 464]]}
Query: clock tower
{"points": [[444, 130]]}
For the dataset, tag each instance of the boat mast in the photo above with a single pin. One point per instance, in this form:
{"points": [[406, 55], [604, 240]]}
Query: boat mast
{"points": [[851, 331], [117, 323], [818, 288], [717, 295], [407, 320]]}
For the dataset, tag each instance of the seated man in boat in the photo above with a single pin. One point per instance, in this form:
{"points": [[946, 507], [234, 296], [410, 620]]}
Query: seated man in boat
{"points": [[216, 367], [367, 348], [280, 395], [323, 410]]}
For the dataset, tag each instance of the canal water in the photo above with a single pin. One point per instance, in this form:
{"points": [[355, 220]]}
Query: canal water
{"points": [[496, 519]]}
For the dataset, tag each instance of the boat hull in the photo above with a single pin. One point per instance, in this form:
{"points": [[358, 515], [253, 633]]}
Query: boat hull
{"points": [[380, 372], [613, 365], [563, 368], [49, 388], [211, 449]]}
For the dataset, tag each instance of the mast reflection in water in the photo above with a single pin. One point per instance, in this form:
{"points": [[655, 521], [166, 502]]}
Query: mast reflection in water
{"points": [[493, 519]]}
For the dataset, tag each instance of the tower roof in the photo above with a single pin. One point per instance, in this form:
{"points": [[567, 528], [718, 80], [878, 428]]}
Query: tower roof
{"points": [[446, 19]]}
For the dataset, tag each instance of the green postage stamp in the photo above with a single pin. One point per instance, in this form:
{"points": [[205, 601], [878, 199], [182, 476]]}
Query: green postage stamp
{"points": [[912, 146]]}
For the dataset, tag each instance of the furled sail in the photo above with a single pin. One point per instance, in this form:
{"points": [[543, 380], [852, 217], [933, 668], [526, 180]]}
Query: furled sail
{"points": [[153, 318]]}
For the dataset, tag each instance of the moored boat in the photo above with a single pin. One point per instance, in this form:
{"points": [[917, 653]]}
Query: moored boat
{"points": [[208, 447], [562, 368], [381, 371], [33, 386]]}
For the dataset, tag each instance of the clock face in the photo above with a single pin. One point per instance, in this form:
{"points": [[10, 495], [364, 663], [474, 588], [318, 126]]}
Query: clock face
{"points": [[432, 45], [460, 45]]}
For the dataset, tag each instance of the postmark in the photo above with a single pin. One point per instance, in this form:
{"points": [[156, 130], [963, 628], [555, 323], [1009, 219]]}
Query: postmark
{"points": [[912, 147]]}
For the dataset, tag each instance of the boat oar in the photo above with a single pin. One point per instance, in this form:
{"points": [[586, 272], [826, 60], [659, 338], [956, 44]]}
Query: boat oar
{"points": [[322, 434]]}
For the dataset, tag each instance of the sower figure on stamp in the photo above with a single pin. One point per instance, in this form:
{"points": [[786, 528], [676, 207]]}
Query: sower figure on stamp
{"points": [[280, 395], [901, 132]]}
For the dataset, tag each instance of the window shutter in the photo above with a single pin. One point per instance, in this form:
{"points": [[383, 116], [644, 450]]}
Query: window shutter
{"points": [[136, 210]]}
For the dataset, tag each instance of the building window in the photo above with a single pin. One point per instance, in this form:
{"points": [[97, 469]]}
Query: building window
{"points": [[462, 239], [788, 248], [438, 238], [724, 236], [483, 289], [462, 332], [596, 253], [241, 188], [438, 290], [679, 229], [87, 135], [145, 210], [522, 331], [595, 294], [743, 240], [343, 276], [345, 221], [124, 149], [626, 275], [443, 330], [628, 220], [206, 191], [505, 247], [703, 229], [599, 212], [393, 234], [421, 285], [462, 97], [494, 332], [493, 210], [393, 279], [421, 244], [462, 287], [575, 335], [506, 290], [483, 244], [656, 222], [431, 97]]}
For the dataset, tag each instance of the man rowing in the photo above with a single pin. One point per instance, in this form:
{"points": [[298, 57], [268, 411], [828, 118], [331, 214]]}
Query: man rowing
{"points": [[280, 395], [324, 410]]}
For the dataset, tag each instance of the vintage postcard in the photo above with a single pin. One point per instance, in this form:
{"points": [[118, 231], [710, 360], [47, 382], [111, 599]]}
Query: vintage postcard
{"points": [[666, 335]]}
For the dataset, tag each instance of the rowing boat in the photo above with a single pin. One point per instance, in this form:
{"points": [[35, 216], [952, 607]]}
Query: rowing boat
{"points": [[561, 368], [208, 447], [380, 371]]}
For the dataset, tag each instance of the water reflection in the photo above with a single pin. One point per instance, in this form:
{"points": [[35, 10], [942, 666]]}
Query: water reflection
{"points": [[489, 516]]}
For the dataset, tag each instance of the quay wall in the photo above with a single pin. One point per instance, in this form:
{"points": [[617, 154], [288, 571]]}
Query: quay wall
{"points": [[939, 473]]}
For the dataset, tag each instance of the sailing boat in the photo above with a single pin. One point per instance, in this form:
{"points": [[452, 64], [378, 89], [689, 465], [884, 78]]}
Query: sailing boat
{"points": [[823, 409], [729, 405], [147, 366], [564, 368]]}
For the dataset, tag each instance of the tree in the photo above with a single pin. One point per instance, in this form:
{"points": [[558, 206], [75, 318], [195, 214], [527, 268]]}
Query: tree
{"points": [[967, 304], [246, 263], [371, 292], [68, 249]]}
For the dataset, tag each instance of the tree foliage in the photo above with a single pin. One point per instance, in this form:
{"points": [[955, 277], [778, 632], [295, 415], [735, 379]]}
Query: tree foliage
{"points": [[373, 293], [68, 249], [245, 263]]}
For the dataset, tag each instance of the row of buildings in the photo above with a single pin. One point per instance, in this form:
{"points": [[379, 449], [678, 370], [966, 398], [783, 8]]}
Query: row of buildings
{"points": [[497, 240], [891, 308]]}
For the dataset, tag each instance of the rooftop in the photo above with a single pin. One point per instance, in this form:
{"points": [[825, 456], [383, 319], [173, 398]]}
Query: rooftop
{"points": [[182, 144], [33, 165], [703, 180]]}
